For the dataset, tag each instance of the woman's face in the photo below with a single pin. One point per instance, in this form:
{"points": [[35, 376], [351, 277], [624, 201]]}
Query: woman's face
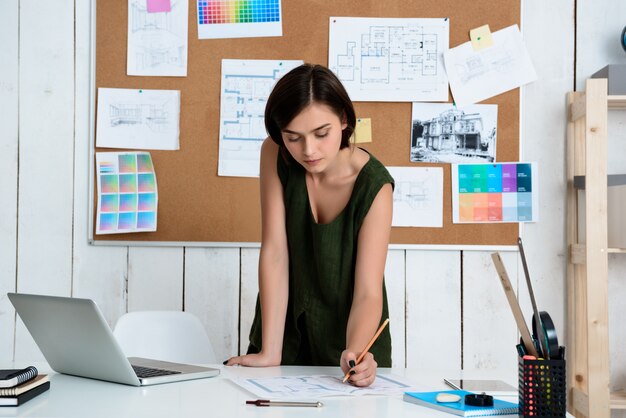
{"points": [[313, 137]]}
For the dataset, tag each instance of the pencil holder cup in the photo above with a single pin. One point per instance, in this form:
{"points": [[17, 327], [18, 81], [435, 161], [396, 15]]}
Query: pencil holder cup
{"points": [[542, 388]]}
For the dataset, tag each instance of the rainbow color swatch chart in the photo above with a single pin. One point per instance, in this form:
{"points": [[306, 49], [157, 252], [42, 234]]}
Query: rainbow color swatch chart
{"points": [[127, 193], [503, 192], [239, 18]]}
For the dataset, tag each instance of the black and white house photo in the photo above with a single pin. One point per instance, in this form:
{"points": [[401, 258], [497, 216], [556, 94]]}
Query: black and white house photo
{"points": [[443, 133]]}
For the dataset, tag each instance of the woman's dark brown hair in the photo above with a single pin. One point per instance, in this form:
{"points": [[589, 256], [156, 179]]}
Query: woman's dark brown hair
{"points": [[299, 88]]}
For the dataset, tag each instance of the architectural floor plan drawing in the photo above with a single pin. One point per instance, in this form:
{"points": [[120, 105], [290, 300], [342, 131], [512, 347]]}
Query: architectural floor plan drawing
{"points": [[390, 59], [246, 85]]}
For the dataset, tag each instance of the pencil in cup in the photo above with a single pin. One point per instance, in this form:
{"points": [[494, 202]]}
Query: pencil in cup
{"points": [[368, 346]]}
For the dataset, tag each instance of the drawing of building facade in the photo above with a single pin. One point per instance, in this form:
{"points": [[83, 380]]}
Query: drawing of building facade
{"points": [[452, 132]]}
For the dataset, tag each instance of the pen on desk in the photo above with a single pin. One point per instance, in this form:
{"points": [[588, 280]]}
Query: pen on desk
{"points": [[265, 402], [368, 346]]}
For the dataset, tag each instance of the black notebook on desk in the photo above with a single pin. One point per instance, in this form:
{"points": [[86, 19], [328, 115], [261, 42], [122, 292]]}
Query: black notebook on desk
{"points": [[24, 397], [14, 377]]}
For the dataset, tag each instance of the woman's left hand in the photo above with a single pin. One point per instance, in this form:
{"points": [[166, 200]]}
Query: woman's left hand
{"points": [[364, 372]]}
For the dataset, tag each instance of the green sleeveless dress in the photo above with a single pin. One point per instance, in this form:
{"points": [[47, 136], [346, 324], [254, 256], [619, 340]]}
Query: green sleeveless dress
{"points": [[322, 260]]}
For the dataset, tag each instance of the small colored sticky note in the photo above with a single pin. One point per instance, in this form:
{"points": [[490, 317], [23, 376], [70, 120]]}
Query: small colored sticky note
{"points": [[481, 38], [363, 130], [155, 6]]}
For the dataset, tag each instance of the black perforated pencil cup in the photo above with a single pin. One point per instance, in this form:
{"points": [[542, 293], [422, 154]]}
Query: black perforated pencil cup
{"points": [[542, 388]]}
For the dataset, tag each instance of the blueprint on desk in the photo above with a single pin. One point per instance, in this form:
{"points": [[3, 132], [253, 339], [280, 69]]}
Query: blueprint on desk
{"points": [[305, 387]]}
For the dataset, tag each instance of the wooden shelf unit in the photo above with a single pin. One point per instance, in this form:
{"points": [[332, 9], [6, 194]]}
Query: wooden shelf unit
{"points": [[587, 270]]}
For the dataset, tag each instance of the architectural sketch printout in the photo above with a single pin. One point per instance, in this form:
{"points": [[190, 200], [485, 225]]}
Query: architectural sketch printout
{"points": [[305, 387], [390, 59], [239, 18], [246, 85], [496, 193], [144, 119], [417, 196], [157, 41], [127, 192], [477, 75]]}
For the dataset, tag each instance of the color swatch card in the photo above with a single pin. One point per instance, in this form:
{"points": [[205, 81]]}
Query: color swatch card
{"points": [[239, 18], [127, 193], [503, 192]]}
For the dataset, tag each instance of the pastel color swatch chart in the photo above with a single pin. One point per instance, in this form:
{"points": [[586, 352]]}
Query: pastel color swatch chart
{"points": [[127, 193], [238, 18], [495, 193]]}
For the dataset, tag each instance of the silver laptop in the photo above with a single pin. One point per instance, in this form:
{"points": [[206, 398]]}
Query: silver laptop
{"points": [[75, 339]]}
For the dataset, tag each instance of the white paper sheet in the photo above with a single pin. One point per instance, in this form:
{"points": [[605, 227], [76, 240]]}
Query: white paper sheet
{"points": [[312, 387], [390, 59], [139, 119], [417, 196], [127, 193], [246, 85], [478, 75], [157, 42], [239, 19]]}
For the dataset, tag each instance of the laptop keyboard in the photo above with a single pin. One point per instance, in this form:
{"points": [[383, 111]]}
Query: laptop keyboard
{"points": [[145, 372]]}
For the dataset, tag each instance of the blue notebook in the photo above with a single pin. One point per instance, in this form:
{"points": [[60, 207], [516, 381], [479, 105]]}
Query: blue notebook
{"points": [[459, 408]]}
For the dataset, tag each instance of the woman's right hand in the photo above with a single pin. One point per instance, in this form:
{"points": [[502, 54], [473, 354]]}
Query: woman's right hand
{"points": [[254, 360]]}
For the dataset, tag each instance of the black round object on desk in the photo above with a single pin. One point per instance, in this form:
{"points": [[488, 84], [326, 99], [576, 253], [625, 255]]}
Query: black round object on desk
{"points": [[623, 40], [478, 400]]}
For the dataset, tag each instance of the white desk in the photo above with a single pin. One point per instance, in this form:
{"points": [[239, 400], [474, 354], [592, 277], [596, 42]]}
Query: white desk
{"points": [[216, 397]]}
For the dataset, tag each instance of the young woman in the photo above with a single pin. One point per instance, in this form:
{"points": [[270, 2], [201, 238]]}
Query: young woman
{"points": [[326, 220]]}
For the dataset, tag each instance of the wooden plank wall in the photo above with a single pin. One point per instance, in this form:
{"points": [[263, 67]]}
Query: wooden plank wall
{"points": [[448, 298]]}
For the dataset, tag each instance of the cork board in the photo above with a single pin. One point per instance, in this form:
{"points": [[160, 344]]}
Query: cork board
{"points": [[196, 205]]}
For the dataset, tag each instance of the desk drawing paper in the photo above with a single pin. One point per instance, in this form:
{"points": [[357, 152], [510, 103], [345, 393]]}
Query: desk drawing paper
{"points": [[157, 40], [442, 133], [246, 85], [390, 59], [478, 75], [139, 119], [496, 193], [306, 387], [417, 196], [239, 18], [127, 192]]}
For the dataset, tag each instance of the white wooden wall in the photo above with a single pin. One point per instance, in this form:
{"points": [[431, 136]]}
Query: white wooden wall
{"points": [[449, 299], [597, 41]]}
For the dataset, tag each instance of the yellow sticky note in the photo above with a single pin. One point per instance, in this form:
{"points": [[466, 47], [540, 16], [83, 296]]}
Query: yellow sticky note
{"points": [[363, 130], [481, 38]]}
